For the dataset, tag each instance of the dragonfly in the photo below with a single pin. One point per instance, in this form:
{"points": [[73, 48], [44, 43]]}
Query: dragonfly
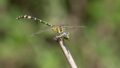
{"points": [[59, 29]]}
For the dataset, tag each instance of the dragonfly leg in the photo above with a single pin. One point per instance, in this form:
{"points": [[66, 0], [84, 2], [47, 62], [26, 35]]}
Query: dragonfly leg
{"points": [[64, 35]]}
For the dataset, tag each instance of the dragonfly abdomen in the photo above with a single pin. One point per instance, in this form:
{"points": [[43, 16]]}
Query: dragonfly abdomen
{"points": [[34, 18]]}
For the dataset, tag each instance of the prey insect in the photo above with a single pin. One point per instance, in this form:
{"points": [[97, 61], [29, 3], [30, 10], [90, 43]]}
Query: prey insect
{"points": [[61, 33]]}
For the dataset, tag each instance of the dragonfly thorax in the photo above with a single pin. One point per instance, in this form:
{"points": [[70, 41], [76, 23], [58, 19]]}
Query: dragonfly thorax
{"points": [[57, 29], [60, 31]]}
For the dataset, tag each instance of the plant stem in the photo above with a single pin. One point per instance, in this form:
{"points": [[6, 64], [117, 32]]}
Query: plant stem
{"points": [[67, 54]]}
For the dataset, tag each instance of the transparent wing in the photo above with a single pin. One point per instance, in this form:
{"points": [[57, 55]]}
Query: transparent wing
{"points": [[73, 27], [40, 31], [73, 30], [68, 28]]}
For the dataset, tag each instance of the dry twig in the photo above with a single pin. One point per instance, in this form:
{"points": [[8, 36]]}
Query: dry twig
{"points": [[67, 54]]}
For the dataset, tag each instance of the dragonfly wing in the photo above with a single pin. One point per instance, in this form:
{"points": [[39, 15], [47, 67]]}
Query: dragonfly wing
{"points": [[73, 30], [70, 28], [73, 27], [39, 32]]}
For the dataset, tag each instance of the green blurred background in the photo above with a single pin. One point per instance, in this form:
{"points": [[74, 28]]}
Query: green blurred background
{"points": [[95, 46]]}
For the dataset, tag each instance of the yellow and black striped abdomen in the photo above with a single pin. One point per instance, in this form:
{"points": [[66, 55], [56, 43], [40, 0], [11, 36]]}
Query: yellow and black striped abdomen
{"points": [[34, 18]]}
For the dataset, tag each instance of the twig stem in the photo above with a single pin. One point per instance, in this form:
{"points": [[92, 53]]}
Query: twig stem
{"points": [[67, 54]]}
